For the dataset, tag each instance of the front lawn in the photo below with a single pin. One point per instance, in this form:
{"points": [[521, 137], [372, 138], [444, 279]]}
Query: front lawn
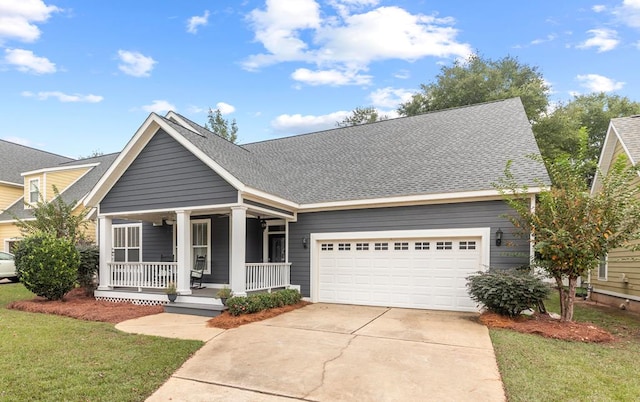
{"points": [[534, 368], [47, 357]]}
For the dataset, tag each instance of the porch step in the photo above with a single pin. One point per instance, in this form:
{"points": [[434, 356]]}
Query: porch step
{"points": [[205, 310]]}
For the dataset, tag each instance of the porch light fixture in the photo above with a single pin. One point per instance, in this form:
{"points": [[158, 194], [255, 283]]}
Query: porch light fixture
{"points": [[263, 224], [169, 222], [305, 242], [499, 237]]}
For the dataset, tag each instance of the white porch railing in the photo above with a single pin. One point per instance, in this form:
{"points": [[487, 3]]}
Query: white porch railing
{"points": [[142, 274], [266, 276]]}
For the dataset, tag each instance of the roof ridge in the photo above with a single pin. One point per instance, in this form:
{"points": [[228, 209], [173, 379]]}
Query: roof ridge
{"points": [[199, 127], [382, 121], [38, 150]]}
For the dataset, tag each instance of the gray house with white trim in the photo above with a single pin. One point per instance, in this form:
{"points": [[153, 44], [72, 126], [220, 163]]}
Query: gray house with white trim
{"points": [[393, 213]]}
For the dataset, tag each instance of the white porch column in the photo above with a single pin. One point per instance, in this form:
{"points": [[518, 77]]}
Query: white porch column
{"points": [[183, 227], [238, 238], [105, 241]]}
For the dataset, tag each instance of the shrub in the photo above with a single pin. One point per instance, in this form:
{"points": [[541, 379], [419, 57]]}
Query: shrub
{"points": [[507, 292], [262, 301], [89, 261], [48, 266]]}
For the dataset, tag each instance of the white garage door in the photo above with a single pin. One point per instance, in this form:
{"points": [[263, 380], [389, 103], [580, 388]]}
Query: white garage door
{"points": [[416, 273]]}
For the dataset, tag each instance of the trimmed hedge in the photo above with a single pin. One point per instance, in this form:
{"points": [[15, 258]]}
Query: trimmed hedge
{"points": [[507, 292], [47, 265], [89, 261], [262, 301]]}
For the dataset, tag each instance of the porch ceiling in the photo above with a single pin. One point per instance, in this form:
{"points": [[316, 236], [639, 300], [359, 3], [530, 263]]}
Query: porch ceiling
{"points": [[160, 216]]}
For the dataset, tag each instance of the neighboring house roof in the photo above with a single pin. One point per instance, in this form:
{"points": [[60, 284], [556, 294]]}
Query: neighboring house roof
{"points": [[457, 150], [17, 159], [74, 193], [626, 132]]}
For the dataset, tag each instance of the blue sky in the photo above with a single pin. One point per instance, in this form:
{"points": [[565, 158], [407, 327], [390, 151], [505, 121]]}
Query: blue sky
{"points": [[78, 76]]}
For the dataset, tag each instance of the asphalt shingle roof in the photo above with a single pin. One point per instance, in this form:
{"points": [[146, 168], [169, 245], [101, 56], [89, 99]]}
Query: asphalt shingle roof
{"points": [[17, 159], [454, 150], [73, 193], [629, 130]]}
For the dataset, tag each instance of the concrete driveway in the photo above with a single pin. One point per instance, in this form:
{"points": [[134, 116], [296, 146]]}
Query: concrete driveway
{"points": [[327, 352]]}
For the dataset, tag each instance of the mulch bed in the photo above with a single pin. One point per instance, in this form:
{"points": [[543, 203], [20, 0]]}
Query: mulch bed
{"points": [[78, 305], [542, 324], [228, 321]]}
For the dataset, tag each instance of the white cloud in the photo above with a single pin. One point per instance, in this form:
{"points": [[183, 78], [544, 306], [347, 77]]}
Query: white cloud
{"points": [[599, 83], [18, 19], [62, 97], [26, 61], [192, 109], [548, 38], [346, 44], [159, 106], [402, 74], [598, 8], [390, 97], [225, 108], [19, 141], [602, 39], [297, 123], [330, 77], [194, 22], [135, 63], [629, 13]]}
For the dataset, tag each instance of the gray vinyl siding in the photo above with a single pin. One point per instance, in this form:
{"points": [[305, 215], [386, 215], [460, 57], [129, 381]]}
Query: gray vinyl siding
{"points": [[156, 241], [513, 252], [166, 175], [219, 250], [253, 252]]}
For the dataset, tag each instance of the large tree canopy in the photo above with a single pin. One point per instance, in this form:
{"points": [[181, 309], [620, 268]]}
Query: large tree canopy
{"points": [[221, 126], [361, 115], [478, 80], [559, 132]]}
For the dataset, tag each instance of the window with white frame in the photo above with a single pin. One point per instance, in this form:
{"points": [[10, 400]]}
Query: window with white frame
{"points": [[422, 245], [327, 247], [603, 268], [127, 240], [34, 191], [201, 240]]}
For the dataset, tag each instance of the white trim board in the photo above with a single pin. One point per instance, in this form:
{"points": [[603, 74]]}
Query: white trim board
{"points": [[616, 294], [483, 232]]}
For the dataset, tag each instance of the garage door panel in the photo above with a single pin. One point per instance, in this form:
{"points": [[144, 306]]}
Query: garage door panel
{"points": [[409, 273]]}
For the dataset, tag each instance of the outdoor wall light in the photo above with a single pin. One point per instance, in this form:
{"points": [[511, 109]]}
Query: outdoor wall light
{"points": [[499, 237], [305, 242], [263, 224]]}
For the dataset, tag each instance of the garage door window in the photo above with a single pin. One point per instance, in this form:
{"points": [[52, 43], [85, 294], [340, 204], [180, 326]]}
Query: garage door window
{"points": [[444, 245], [467, 245], [362, 246], [422, 245], [381, 246], [401, 246], [344, 246], [327, 247]]}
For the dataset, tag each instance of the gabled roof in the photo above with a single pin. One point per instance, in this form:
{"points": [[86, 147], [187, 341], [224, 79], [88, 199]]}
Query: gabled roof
{"points": [[626, 132], [17, 159], [75, 192], [451, 151]]}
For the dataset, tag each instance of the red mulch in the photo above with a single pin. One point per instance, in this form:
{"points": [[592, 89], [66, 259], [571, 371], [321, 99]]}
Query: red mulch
{"points": [[228, 321], [78, 305], [542, 324]]}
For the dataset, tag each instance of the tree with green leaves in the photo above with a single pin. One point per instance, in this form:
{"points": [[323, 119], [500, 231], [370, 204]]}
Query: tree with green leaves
{"points": [[221, 126], [478, 80], [560, 131], [361, 115], [55, 217], [573, 230]]}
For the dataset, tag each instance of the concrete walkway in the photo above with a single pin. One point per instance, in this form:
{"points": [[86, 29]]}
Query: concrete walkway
{"points": [[326, 352]]}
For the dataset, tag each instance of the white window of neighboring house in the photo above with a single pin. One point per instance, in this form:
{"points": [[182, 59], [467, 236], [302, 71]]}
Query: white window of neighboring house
{"points": [[34, 191], [603, 268], [201, 241], [127, 241]]}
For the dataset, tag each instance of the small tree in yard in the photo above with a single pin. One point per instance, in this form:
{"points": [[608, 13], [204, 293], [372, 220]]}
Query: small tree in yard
{"points": [[572, 228]]}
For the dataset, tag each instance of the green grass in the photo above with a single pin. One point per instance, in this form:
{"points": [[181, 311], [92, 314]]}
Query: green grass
{"points": [[534, 368], [46, 357]]}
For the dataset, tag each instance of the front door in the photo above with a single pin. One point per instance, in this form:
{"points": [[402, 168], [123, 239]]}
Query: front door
{"points": [[276, 248]]}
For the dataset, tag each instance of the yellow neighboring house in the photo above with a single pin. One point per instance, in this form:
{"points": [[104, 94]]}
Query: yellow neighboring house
{"points": [[617, 280], [27, 173]]}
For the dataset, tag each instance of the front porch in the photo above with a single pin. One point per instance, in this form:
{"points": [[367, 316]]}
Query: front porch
{"points": [[145, 282]]}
